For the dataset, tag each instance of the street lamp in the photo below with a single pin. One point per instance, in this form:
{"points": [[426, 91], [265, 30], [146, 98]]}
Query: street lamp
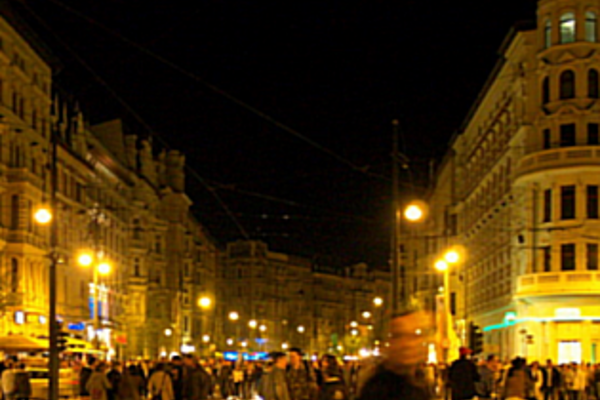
{"points": [[452, 256], [414, 213], [252, 324], [206, 338], [366, 314], [43, 216], [301, 329], [229, 342], [262, 328], [284, 346], [244, 344], [378, 301], [354, 332], [168, 332], [353, 324], [234, 316], [441, 265], [204, 302]]}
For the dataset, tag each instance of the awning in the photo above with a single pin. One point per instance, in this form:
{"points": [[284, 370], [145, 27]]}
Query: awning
{"points": [[22, 343]]}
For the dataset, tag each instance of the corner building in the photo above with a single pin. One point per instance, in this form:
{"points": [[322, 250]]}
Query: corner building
{"points": [[526, 176]]}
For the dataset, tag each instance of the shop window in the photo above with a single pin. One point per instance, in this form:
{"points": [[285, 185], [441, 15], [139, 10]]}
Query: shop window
{"points": [[592, 202], [567, 27], [569, 352], [591, 26], [547, 205], [567, 85], [567, 255], [567, 206], [592, 257], [567, 135]]}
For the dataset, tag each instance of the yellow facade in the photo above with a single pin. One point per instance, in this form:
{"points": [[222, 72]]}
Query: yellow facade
{"points": [[525, 186], [116, 199]]}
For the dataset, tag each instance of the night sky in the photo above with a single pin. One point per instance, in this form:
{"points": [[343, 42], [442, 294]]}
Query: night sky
{"points": [[336, 72]]}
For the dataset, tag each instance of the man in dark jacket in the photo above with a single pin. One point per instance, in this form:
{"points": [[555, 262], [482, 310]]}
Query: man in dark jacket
{"points": [[84, 376], [463, 375], [196, 381], [550, 382]]}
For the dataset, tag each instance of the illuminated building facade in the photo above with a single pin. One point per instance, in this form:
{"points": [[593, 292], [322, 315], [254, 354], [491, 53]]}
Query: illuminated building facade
{"points": [[300, 303], [115, 198], [526, 175]]}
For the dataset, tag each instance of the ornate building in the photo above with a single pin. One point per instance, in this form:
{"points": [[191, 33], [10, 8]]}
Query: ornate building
{"points": [[297, 302], [115, 198], [526, 175]]}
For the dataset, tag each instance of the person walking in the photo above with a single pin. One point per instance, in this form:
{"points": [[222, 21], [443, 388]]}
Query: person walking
{"points": [[273, 384], [22, 383], [160, 386], [550, 381], [196, 384], [462, 376], [129, 385], [537, 377], [114, 377], [301, 378], [486, 385], [98, 384], [8, 381], [517, 383], [333, 386]]}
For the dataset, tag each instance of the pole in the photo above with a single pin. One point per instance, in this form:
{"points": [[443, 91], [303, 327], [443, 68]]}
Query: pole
{"points": [[96, 308], [395, 256], [53, 323]]}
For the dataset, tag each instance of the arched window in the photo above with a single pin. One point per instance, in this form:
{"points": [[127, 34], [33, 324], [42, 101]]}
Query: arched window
{"points": [[548, 34], [591, 26], [593, 84], [567, 27], [546, 91], [14, 275], [567, 85]]}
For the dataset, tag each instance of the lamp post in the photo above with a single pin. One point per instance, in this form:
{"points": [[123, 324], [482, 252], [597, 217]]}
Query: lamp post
{"points": [[87, 259], [451, 257]]}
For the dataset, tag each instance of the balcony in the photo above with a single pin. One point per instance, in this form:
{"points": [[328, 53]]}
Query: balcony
{"points": [[560, 158], [559, 283]]}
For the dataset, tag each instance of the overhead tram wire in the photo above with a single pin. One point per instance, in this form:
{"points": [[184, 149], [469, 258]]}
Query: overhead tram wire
{"points": [[221, 92], [213, 186], [138, 117]]}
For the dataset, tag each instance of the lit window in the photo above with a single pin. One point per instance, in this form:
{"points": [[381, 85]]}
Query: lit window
{"points": [[591, 27], [567, 28], [567, 85], [548, 34]]}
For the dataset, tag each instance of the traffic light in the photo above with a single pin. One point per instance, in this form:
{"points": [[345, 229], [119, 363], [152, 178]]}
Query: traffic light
{"points": [[475, 338], [61, 339]]}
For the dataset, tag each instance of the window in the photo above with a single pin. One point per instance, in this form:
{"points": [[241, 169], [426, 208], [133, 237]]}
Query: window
{"points": [[567, 135], [14, 212], [136, 267], [592, 257], [547, 258], [567, 255], [567, 85], [547, 139], [547, 205], [548, 34], [546, 91], [593, 84], [14, 274], [567, 202], [592, 202], [591, 28], [567, 27], [593, 134]]}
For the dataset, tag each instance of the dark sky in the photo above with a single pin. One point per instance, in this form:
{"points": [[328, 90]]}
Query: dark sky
{"points": [[337, 72]]}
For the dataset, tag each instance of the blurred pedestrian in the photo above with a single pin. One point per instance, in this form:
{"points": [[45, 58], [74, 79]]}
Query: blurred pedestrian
{"points": [[463, 375], [98, 384], [160, 386]]}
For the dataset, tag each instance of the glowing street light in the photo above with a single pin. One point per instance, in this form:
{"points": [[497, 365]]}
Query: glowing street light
{"points": [[234, 316], [85, 259], [441, 265], [353, 324], [206, 338], [452, 256], [301, 329], [284, 346], [230, 342], [366, 314], [413, 213], [354, 332], [43, 216], [168, 332], [378, 301], [262, 328], [244, 344], [104, 268], [204, 302], [252, 324]]}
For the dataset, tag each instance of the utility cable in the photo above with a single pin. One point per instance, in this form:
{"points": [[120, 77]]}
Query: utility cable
{"points": [[220, 91], [138, 117]]}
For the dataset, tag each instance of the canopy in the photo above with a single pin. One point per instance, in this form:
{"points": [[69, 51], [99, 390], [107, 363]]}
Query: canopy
{"points": [[22, 343]]}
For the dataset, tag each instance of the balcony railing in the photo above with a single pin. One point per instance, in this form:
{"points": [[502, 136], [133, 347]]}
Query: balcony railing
{"points": [[559, 283], [559, 158]]}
